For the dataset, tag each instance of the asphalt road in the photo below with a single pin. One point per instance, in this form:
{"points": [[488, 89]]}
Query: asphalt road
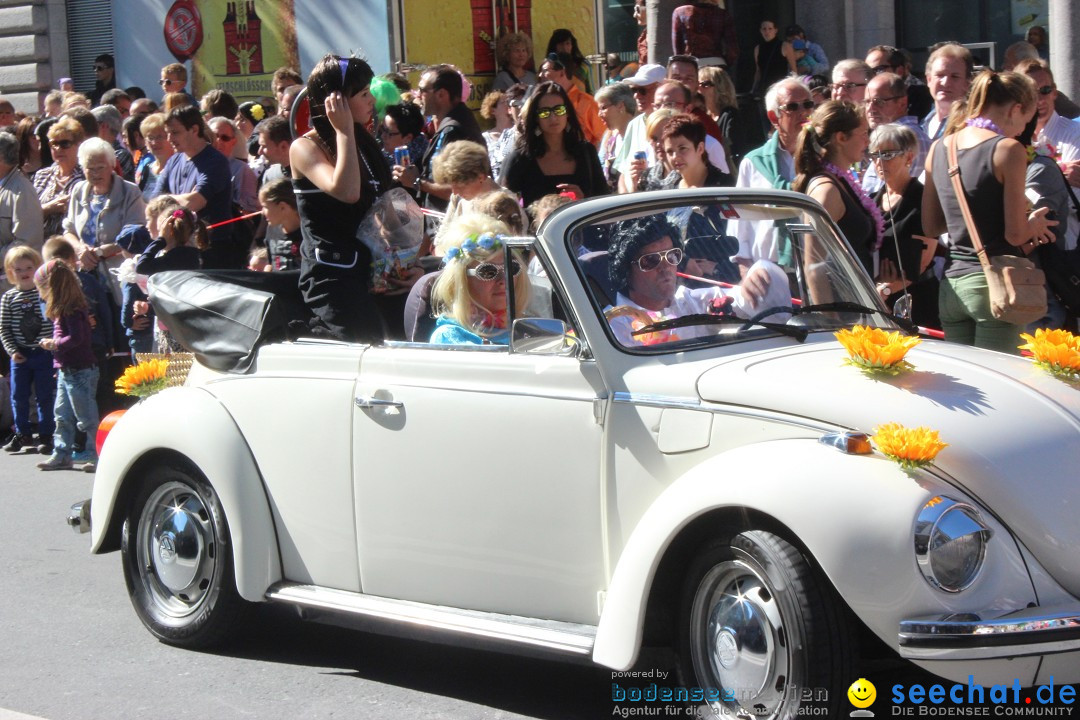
{"points": [[72, 648]]}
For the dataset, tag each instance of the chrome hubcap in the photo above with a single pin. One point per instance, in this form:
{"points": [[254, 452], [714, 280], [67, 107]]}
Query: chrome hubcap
{"points": [[738, 641], [177, 549]]}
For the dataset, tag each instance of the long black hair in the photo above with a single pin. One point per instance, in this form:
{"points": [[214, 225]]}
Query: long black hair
{"points": [[562, 35], [348, 76], [530, 141]]}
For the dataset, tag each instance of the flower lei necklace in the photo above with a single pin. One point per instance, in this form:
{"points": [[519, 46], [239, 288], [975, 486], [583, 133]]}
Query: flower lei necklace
{"points": [[868, 204], [985, 124]]}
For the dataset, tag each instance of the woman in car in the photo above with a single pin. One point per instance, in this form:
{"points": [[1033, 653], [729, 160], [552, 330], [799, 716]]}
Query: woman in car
{"points": [[469, 297]]}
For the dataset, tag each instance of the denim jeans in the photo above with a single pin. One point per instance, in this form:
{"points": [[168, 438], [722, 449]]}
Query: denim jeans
{"points": [[35, 371], [76, 408]]}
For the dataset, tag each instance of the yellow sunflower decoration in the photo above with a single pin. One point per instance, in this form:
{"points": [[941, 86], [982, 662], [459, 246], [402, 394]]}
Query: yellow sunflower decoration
{"points": [[875, 350], [144, 379], [910, 447], [1056, 351]]}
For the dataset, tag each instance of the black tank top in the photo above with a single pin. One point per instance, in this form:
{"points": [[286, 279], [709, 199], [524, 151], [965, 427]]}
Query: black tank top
{"points": [[771, 62], [985, 198], [857, 225]]}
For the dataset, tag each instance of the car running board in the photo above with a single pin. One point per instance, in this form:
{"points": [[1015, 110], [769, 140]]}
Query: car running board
{"points": [[549, 634]]}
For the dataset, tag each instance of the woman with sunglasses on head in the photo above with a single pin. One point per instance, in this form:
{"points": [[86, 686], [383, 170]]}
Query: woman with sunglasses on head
{"points": [[470, 295], [54, 183], [552, 155], [338, 172], [718, 92], [907, 255]]}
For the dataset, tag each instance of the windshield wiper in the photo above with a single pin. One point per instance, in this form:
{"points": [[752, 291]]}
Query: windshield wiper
{"points": [[906, 325], [793, 331]]}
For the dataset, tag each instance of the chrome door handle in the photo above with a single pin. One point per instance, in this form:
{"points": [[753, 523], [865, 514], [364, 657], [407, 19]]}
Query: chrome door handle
{"points": [[371, 402]]}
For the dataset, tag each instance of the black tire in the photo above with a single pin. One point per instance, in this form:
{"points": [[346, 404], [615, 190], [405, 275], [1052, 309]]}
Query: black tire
{"points": [[178, 562], [757, 625]]}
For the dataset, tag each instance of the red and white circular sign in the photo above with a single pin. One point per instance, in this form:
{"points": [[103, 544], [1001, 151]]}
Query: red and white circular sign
{"points": [[183, 29]]}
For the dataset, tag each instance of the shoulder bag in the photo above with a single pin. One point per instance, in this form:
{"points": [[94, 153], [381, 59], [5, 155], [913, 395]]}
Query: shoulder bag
{"points": [[1017, 287]]}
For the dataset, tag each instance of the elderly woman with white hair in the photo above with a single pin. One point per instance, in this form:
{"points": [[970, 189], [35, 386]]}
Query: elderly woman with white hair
{"points": [[99, 207], [470, 295]]}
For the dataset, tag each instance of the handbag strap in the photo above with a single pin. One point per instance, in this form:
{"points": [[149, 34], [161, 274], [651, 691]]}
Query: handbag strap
{"points": [[961, 200]]}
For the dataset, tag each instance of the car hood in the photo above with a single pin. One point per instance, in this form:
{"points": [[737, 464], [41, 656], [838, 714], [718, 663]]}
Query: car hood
{"points": [[1013, 430]]}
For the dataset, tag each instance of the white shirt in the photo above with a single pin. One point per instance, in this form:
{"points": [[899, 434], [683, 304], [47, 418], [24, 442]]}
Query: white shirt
{"points": [[757, 240], [1064, 135]]}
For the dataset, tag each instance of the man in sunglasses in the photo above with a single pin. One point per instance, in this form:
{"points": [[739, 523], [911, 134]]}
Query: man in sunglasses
{"points": [[886, 58], [644, 83], [1051, 128], [104, 77], [887, 102], [642, 267], [788, 106]]}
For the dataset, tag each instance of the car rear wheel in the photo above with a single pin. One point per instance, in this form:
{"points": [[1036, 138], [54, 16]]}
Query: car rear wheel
{"points": [[761, 632], [177, 558]]}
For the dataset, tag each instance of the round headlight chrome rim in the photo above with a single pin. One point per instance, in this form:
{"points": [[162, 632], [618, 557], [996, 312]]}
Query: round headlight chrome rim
{"points": [[950, 543]]}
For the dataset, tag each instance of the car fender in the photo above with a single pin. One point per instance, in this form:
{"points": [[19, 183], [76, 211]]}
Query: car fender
{"points": [[826, 500], [154, 427]]}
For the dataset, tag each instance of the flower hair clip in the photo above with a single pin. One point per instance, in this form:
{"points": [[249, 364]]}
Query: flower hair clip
{"points": [[179, 214], [258, 112], [485, 242]]}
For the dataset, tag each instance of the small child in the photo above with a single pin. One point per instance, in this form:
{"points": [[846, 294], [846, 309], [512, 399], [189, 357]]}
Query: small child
{"points": [[23, 327], [138, 326], [76, 407], [279, 208], [182, 235], [259, 260]]}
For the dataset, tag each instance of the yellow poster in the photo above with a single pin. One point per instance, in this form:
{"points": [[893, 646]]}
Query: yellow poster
{"points": [[244, 43]]}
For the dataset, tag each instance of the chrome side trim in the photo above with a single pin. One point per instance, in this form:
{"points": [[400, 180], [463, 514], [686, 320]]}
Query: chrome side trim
{"points": [[968, 636], [79, 517], [551, 634], [660, 401]]}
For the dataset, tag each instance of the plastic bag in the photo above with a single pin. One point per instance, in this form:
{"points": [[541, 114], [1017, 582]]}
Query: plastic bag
{"points": [[393, 230]]}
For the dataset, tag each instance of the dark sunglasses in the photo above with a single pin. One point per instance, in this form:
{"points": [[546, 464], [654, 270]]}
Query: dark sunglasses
{"points": [[651, 261], [61, 144], [641, 90], [545, 113], [165, 82], [878, 69], [489, 272], [885, 155], [796, 106], [848, 85], [1046, 89], [225, 138]]}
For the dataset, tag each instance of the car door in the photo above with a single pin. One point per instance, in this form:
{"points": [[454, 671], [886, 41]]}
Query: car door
{"points": [[478, 480]]}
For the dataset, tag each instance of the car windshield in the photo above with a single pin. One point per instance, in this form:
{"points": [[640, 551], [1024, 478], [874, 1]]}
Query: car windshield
{"points": [[686, 271]]}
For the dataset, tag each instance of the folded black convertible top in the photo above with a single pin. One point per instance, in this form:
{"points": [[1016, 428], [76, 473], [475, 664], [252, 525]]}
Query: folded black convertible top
{"points": [[223, 316]]}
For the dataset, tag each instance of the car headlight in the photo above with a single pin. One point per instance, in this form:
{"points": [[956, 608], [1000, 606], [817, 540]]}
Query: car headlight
{"points": [[950, 543]]}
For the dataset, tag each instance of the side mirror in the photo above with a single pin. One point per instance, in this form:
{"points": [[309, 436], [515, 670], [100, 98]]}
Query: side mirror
{"points": [[544, 336]]}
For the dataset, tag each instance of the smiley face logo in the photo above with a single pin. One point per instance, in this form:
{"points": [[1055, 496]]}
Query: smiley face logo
{"points": [[862, 693]]}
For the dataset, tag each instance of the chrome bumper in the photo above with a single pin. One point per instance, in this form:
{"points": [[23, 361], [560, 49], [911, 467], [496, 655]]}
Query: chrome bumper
{"points": [[79, 517], [968, 636]]}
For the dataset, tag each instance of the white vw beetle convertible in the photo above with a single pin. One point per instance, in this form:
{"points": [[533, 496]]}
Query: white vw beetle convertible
{"points": [[696, 477]]}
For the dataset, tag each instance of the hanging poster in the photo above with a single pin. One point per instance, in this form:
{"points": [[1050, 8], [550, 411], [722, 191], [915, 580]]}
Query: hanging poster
{"points": [[245, 42], [1026, 13]]}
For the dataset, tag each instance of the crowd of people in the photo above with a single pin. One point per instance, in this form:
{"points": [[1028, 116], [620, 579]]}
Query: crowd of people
{"points": [[102, 191]]}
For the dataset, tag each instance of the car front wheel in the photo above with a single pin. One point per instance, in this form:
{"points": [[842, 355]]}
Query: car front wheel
{"points": [[759, 633], [177, 559]]}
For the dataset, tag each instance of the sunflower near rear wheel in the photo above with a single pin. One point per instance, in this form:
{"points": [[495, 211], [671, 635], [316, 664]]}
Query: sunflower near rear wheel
{"points": [[177, 558], [761, 630]]}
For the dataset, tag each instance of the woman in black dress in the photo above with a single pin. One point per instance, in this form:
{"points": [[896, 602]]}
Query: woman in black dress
{"points": [[906, 265], [338, 172], [552, 155]]}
